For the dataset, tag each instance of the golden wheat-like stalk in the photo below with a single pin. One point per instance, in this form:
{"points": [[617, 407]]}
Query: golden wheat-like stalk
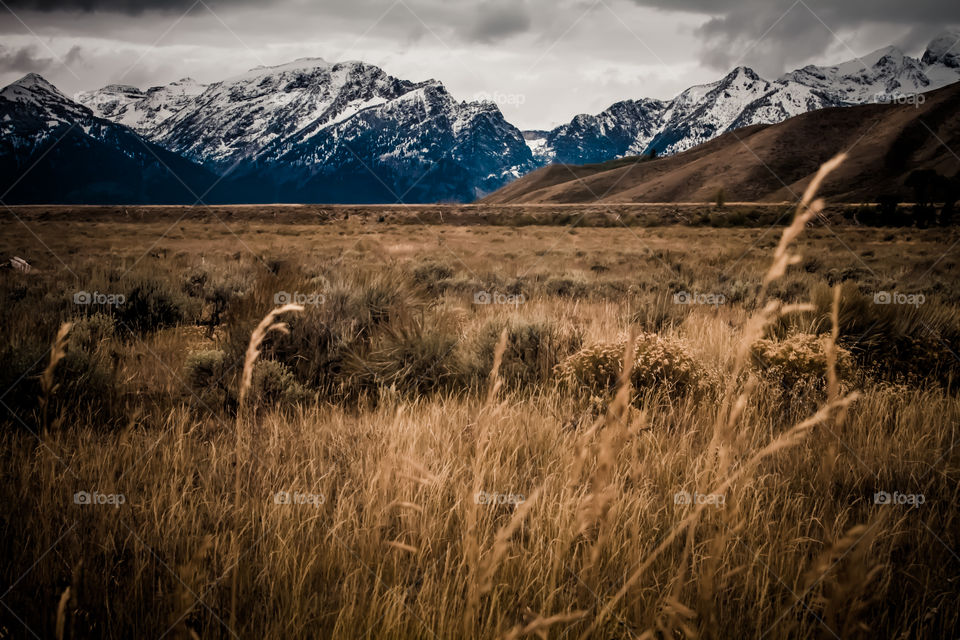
{"points": [[256, 339], [808, 208], [539, 625], [495, 381], [48, 386], [266, 326]]}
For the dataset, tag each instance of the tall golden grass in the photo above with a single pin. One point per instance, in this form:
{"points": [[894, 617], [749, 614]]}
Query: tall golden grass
{"points": [[374, 519]]}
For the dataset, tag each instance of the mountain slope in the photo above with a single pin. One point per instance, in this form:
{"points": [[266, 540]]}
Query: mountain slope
{"points": [[53, 150], [142, 111], [886, 142], [742, 98], [624, 128]]}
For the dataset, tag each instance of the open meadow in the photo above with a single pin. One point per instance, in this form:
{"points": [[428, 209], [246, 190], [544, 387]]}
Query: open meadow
{"points": [[443, 441]]}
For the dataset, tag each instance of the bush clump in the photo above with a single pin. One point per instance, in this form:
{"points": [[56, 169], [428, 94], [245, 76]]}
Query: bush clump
{"points": [[433, 276], [659, 362], [92, 332], [207, 376], [408, 358], [151, 305], [799, 359], [892, 341], [574, 286], [354, 310], [533, 350], [274, 384]]}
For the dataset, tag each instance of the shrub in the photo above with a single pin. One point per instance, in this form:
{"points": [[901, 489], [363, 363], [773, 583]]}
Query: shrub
{"points": [[87, 384], [800, 359], [86, 381], [195, 284], [207, 375], [205, 368], [533, 349], [274, 384], [153, 304], [90, 332], [742, 291], [659, 362], [892, 340], [568, 287], [408, 358], [658, 313], [432, 276], [354, 311]]}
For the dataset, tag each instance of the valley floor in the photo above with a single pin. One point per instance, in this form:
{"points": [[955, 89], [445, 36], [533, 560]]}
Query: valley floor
{"points": [[373, 480]]}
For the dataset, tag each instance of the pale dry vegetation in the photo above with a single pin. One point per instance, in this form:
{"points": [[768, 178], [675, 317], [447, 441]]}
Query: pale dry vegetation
{"points": [[461, 470]]}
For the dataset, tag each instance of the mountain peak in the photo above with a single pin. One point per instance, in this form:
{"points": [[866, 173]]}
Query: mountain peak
{"points": [[38, 96], [300, 64], [33, 82], [35, 89], [867, 62], [944, 49], [744, 71], [741, 73]]}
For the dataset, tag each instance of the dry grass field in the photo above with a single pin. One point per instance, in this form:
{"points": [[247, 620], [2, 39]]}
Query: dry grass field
{"points": [[443, 443]]}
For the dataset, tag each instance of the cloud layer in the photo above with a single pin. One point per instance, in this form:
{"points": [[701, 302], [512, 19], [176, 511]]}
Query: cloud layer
{"points": [[563, 56], [775, 35]]}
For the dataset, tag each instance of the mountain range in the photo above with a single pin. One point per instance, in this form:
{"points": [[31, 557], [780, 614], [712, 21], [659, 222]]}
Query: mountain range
{"points": [[742, 98], [314, 131], [886, 145]]}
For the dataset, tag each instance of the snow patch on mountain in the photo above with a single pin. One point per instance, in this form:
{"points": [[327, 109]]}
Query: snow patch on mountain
{"points": [[140, 110]]}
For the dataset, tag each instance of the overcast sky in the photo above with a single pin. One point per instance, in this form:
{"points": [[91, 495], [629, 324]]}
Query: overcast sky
{"points": [[543, 60]]}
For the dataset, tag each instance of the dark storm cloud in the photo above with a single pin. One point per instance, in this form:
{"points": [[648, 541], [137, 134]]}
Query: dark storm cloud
{"points": [[24, 60], [775, 34], [131, 7], [495, 20], [33, 59]]}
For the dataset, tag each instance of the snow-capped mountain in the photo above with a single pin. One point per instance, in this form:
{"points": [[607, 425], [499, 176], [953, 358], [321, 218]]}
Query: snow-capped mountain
{"points": [[36, 100], [623, 129], [140, 110], [421, 146], [53, 149], [343, 132], [743, 98], [871, 78]]}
